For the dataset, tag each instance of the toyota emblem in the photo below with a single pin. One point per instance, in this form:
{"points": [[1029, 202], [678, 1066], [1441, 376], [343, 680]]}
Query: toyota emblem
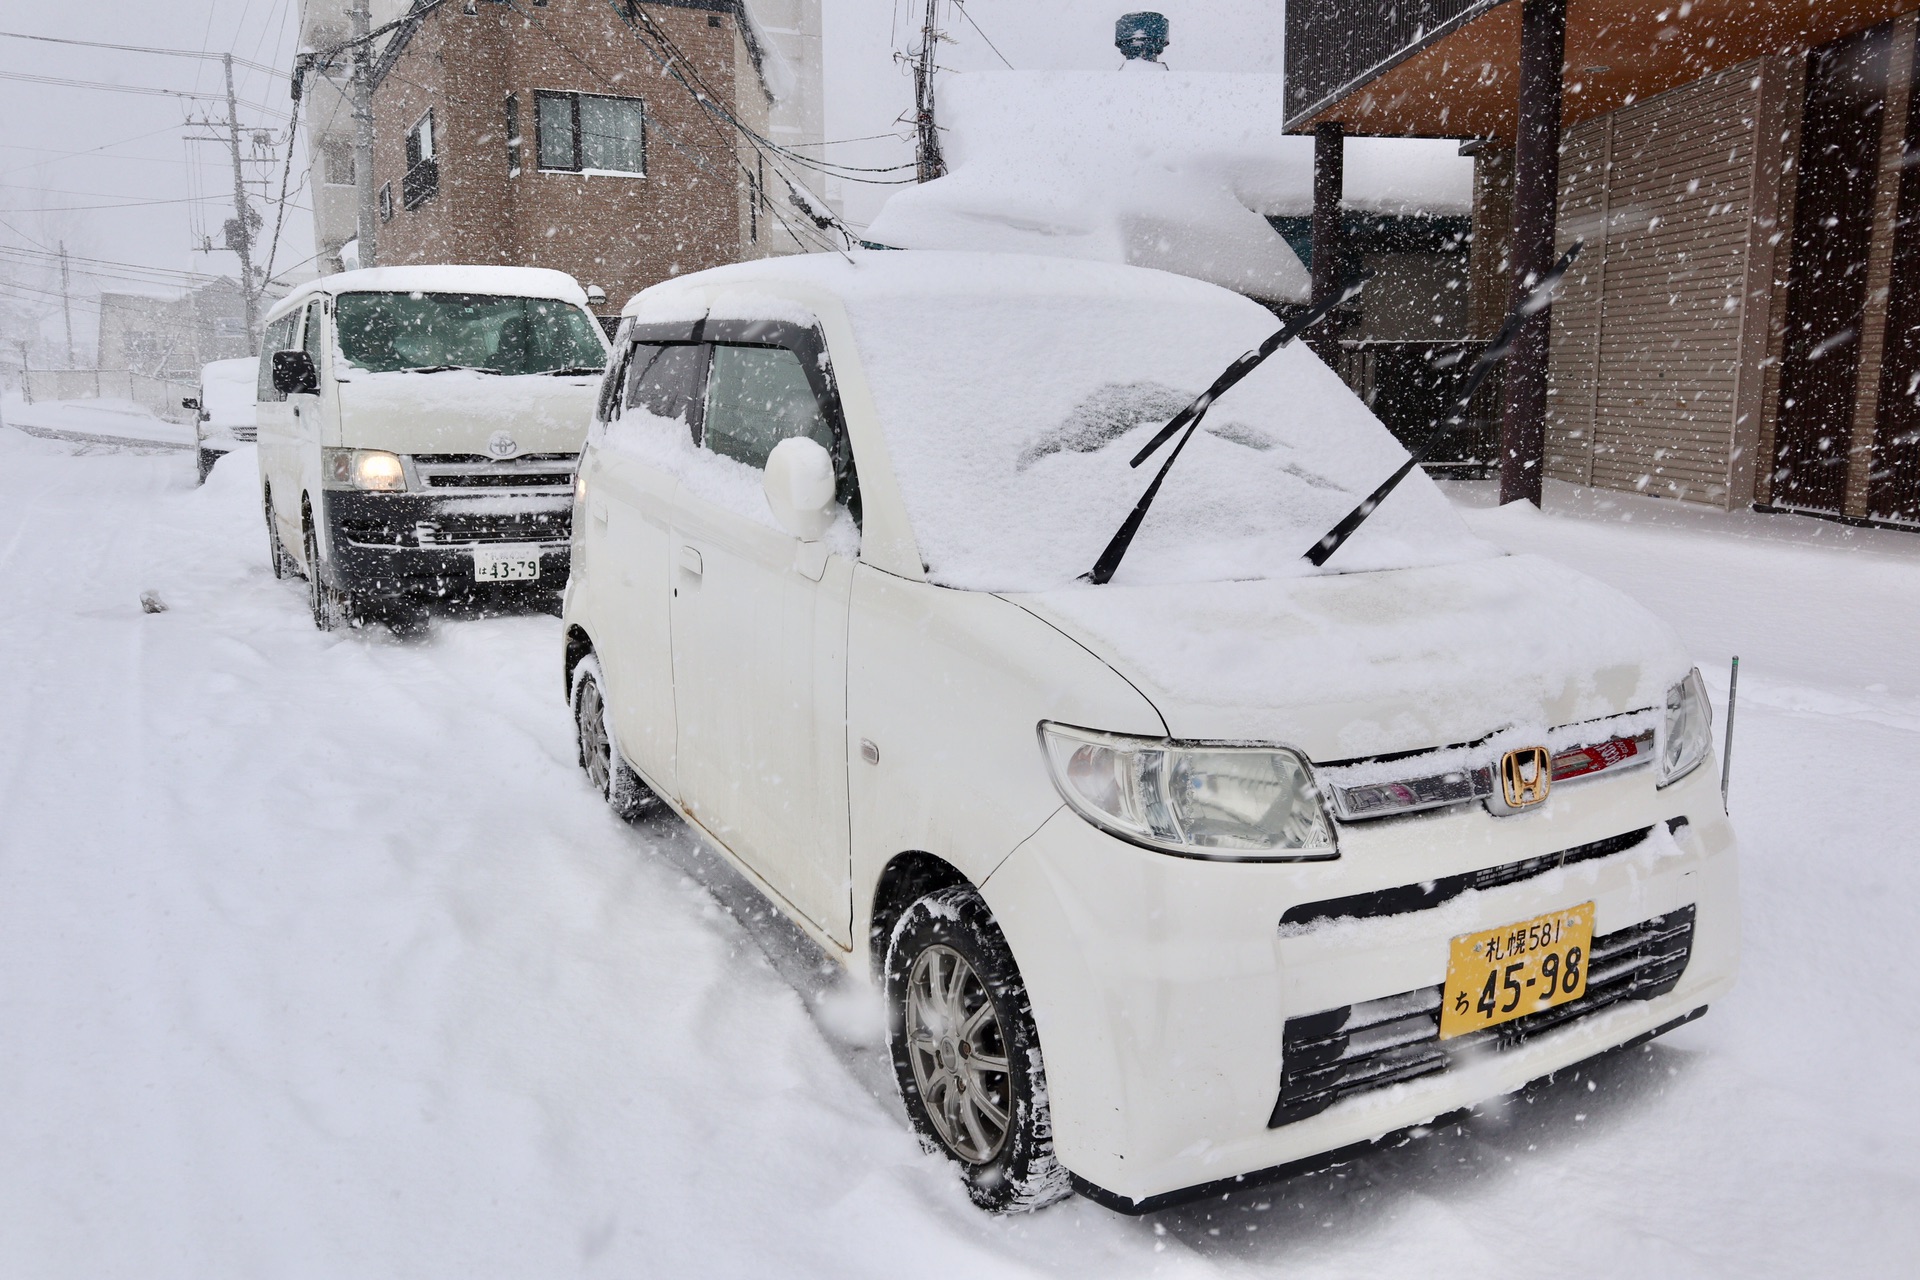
{"points": [[502, 445]]}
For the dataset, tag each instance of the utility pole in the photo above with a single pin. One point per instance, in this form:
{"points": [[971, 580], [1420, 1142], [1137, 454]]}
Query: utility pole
{"points": [[66, 303], [928, 163], [361, 89], [241, 238]]}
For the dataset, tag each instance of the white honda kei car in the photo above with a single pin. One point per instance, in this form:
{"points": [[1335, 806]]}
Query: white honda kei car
{"points": [[1210, 871]]}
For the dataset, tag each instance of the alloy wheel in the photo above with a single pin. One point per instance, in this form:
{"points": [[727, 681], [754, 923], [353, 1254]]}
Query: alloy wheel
{"points": [[595, 750], [959, 1054]]}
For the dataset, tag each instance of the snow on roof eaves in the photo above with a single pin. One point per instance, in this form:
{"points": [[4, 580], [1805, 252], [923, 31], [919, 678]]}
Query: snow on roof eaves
{"points": [[509, 282], [1173, 170]]}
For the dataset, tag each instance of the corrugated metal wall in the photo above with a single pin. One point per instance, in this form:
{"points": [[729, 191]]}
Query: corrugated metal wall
{"points": [[1654, 385]]}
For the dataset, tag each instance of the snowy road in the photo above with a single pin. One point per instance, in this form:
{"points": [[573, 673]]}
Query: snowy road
{"points": [[317, 958]]}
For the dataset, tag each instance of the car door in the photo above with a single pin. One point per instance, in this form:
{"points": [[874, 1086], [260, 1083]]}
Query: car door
{"points": [[629, 512], [308, 425], [274, 436], [759, 627]]}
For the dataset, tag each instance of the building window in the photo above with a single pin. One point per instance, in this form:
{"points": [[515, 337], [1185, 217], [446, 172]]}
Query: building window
{"points": [[386, 202], [591, 133], [423, 171], [337, 162], [513, 136]]}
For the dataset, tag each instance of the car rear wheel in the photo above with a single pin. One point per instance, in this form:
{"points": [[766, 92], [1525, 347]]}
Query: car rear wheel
{"points": [[599, 754], [276, 550], [966, 1052], [206, 458]]}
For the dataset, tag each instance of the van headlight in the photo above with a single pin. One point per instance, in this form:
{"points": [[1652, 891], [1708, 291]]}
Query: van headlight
{"points": [[372, 469], [1254, 804], [1686, 732]]}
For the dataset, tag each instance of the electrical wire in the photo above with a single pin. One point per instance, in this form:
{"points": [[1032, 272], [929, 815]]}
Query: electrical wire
{"points": [[961, 6], [140, 48]]}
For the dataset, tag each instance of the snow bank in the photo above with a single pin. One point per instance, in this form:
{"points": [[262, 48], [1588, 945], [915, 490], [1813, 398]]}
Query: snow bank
{"points": [[1176, 170]]}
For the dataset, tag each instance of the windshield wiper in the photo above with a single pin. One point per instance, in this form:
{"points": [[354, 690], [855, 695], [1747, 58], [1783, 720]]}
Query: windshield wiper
{"points": [[574, 370], [442, 368], [1189, 417], [1499, 349]]}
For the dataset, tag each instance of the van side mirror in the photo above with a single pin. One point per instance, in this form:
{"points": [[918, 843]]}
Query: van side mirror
{"points": [[189, 402], [800, 487], [294, 374]]}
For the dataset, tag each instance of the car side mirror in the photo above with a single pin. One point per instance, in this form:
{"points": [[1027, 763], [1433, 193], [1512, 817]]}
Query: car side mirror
{"points": [[800, 487], [294, 374], [189, 402]]}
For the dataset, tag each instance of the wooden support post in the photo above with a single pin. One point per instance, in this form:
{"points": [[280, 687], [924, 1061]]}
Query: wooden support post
{"points": [[1536, 193], [1329, 187]]}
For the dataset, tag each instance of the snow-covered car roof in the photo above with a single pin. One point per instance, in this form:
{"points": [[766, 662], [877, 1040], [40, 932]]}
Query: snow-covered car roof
{"points": [[1011, 391], [227, 390], [506, 282]]}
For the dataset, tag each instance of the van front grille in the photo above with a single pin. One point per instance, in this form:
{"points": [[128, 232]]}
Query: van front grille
{"points": [[1333, 1054], [529, 473]]}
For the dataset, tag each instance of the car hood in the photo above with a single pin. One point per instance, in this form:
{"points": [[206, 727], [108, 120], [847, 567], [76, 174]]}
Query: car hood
{"points": [[458, 410], [1363, 664]]}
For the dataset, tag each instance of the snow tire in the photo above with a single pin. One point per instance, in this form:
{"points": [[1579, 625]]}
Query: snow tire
{"points": [[283, 563], [599, 754], [332, 608], [1021, 1172]]}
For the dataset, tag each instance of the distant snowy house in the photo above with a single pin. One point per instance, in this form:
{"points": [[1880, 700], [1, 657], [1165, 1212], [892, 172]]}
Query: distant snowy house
{"points": [[1188, 172]]}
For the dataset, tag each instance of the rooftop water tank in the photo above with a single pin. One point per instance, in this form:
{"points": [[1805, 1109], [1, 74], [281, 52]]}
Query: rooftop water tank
{"points": [[1141, 35]]}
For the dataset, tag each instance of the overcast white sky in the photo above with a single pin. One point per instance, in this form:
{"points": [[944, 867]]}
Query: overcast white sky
{"points": [[112, 174]]}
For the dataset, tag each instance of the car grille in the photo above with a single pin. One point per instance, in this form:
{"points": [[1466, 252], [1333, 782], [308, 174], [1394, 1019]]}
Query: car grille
{"points": [[245, 435], [1330, 1055], [455, 530], [533, 472], [1431, 893]]}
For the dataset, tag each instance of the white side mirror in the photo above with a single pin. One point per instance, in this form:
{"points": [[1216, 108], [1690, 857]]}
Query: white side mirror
{"points": [[800, 486]]}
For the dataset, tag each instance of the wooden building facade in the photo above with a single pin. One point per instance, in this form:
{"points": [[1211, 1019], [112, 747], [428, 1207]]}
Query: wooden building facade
{"points": [[1742, 327]]}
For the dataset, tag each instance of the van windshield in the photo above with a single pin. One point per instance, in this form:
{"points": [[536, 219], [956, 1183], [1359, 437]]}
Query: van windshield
{"points": [[386, 332]]}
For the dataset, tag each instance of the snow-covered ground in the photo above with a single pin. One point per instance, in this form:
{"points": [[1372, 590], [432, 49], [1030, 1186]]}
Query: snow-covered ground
{"points": [[320, 959], [120, 424]]}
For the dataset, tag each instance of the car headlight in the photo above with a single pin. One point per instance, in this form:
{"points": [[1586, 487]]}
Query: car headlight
{"points": [[373, 469], [1686, 733], [1226, 802]]}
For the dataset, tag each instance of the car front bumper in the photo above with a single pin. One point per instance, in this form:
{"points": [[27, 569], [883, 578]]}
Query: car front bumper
{"points": [[1162, 986], [422, 545]]}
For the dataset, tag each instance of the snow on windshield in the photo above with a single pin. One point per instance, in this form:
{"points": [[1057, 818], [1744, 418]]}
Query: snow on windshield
{"points": [[385, 332], [1013, 391]]}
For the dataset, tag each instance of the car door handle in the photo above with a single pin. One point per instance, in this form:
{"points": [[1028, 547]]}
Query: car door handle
{"points": [[690, 561]]}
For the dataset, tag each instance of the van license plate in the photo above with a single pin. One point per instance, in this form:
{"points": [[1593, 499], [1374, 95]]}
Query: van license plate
{"points": [[506, 564], [1499, 974]]}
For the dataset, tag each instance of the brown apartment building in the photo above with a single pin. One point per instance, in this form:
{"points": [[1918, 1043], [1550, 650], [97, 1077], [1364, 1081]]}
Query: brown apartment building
{"points": [[1743, 326], [547, 133]]}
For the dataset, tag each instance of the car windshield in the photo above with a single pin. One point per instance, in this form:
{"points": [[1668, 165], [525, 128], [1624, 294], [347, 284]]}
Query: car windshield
{"points": [[383, 332], [1011, 398]]}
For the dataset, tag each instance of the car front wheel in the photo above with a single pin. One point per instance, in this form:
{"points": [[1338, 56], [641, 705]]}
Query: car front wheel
{"points": [[616, 781], [332, 607], [966, 1052]]}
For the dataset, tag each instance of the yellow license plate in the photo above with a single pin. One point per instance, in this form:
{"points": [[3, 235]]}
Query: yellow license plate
{"points": [[1507, 972]]}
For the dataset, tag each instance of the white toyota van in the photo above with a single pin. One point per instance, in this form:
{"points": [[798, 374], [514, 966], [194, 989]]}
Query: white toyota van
{"points": [[1223, 866], [418, 430]]}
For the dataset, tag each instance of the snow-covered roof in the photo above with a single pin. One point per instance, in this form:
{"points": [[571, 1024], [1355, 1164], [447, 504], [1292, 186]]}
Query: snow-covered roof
{"points": [[1168, 169], [1012, 389], [506, 282]]}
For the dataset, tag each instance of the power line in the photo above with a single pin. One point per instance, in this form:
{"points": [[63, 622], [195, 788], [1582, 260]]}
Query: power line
{"points": [[961, 6], [140, 48], [103, 86]]}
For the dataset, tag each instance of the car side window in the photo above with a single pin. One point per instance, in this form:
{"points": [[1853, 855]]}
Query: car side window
{"points": [[312, 341], [665, 381], [278, 337], [757, 397]]}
